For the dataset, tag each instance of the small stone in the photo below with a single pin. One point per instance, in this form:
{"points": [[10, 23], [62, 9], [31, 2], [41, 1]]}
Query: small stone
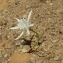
{"points": [[5, 55], [61, 30], [47, 1], [62, 61], [26, 48], [56, 57], [55, 41], [51, 3], [17, 44]]}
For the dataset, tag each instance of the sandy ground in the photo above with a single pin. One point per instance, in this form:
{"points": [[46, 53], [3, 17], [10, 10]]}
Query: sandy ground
{"points": [[48, 18]]}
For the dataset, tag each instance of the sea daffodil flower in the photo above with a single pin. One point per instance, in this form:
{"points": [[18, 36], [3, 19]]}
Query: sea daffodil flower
{"points": [[24, 25]]}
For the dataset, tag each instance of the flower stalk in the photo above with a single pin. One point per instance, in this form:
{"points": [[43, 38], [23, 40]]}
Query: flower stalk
{"points": [[38, 37]]}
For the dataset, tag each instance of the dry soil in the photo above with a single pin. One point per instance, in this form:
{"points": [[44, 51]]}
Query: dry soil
{"points": [[47, 17]]}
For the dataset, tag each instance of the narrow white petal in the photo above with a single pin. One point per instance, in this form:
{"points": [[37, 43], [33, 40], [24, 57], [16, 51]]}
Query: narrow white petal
{"points": [[19, 35], [21, 22], [17, 20], [29, 16], [20, 27], [16, 27], [28, 32], [31, 24]]}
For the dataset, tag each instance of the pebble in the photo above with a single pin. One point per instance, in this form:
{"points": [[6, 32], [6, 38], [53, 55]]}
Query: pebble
{"points": [[26, 48], [5, 55], [51, 3], [62, 61], [55, 41], [61, 30], [17, 44], [56, 57]]}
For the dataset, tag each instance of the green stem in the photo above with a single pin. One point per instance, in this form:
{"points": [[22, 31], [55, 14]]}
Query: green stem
{"points": [[37, 36]]}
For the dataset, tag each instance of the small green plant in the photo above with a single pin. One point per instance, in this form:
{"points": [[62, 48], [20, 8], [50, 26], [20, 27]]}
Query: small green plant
{"points": [[26, 27]]}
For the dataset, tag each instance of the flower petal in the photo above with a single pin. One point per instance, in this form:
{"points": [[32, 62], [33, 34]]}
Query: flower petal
{"points": [[20, 21], [28, 31], [29, 16], [16, 27], [19, 35], [31, 25], [17, 20]]}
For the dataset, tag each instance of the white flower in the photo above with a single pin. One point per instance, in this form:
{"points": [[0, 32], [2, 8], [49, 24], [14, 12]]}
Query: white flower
{"points": [[24, 25]]}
